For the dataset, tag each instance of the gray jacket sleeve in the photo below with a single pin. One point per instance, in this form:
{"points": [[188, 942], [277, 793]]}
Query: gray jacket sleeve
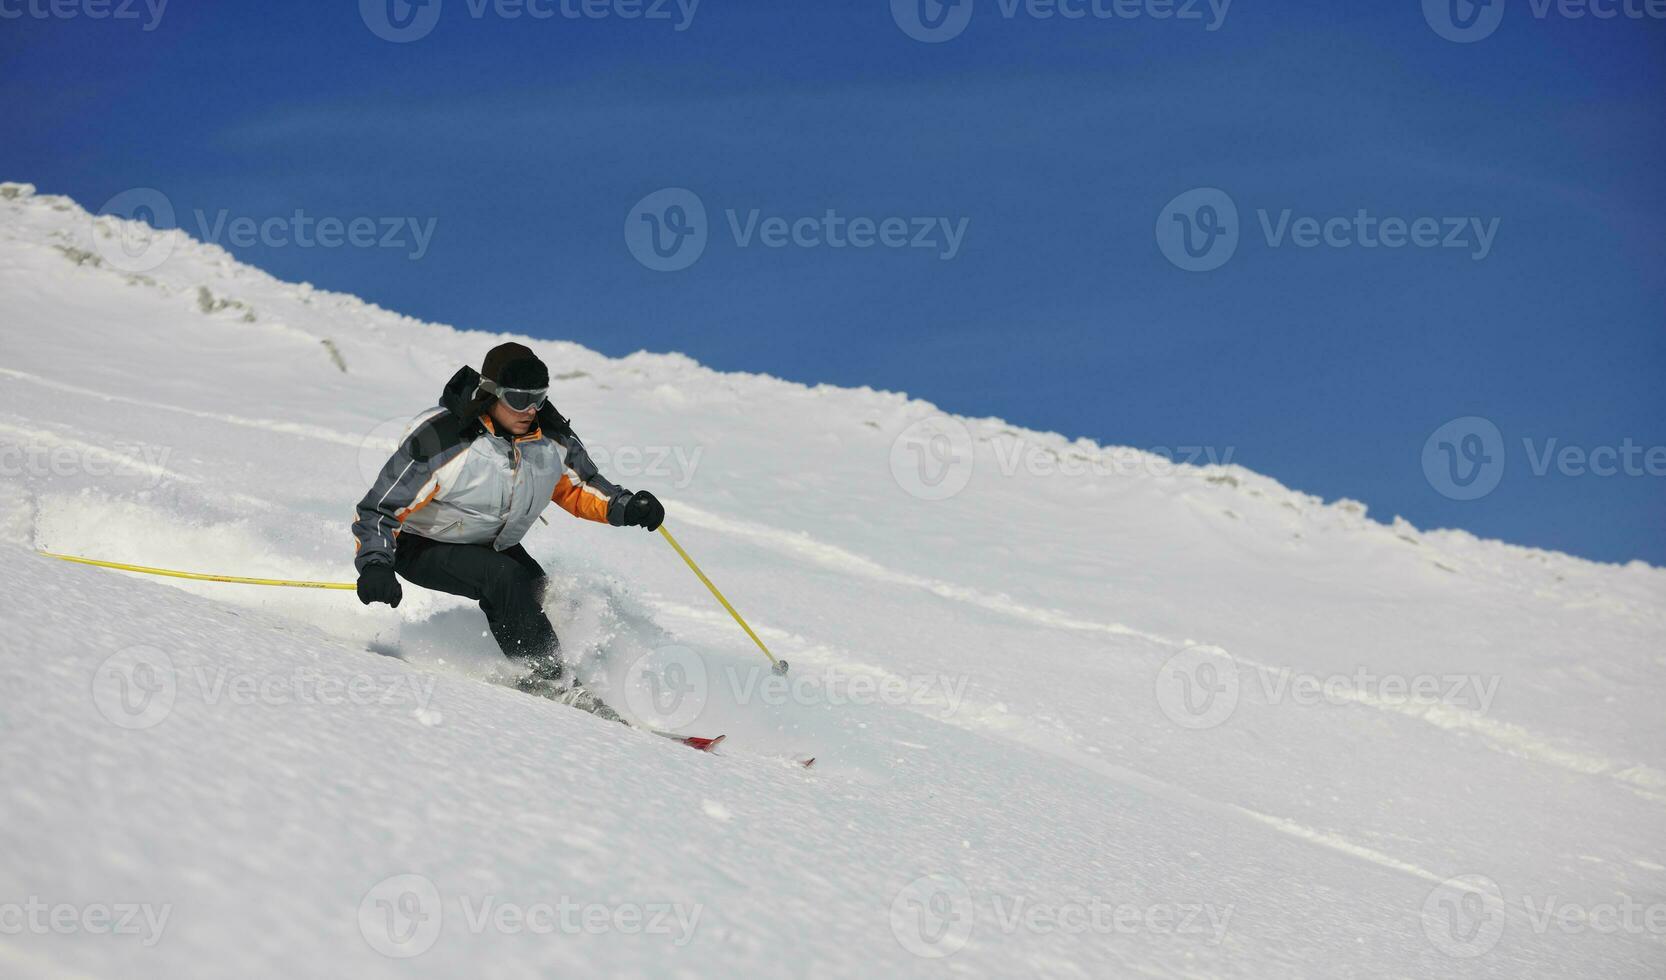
{"points": [[401, 487]]}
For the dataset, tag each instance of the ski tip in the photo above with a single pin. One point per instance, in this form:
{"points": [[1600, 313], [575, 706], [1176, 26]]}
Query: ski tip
{"points": [[704, 744]]}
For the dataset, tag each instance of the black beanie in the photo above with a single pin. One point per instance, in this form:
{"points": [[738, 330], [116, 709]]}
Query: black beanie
{"points": [[515, 366]]}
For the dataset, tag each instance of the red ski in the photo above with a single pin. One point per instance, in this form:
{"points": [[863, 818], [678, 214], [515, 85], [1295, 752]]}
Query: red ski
{"points": [[694, 741], [708, 744]]}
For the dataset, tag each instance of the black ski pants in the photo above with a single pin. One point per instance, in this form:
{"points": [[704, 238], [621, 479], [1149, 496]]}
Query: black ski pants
{"points": [[508, 584]]}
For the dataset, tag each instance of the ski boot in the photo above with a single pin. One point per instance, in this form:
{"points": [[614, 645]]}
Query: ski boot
{"points": [[548, 679]]}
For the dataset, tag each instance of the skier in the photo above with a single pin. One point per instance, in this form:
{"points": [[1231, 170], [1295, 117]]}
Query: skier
{"points": [[451, 505]]}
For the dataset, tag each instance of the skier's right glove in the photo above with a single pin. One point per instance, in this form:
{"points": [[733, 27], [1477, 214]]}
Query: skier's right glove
{"points": [[377, 584], [644, 510]]}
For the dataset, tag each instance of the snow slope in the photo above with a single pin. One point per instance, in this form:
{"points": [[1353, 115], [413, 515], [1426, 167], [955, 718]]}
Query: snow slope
{"points": [[1129, 719]]}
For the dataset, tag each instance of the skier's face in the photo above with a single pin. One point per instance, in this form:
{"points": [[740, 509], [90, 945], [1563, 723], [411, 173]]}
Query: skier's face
{"points": [[506, 420]]}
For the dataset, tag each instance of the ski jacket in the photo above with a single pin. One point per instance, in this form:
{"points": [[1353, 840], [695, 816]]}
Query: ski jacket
{"points": [[454, 478]]}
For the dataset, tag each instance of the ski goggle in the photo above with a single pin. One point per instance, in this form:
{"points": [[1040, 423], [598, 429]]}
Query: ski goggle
{"points": [[517, 399]]}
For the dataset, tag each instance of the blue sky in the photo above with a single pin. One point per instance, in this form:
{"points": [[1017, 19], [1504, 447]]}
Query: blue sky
{"points": [[1056, 146]]}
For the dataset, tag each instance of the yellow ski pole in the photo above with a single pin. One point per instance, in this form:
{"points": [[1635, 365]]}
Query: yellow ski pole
{"points": [[200, 576], [779, 666]]}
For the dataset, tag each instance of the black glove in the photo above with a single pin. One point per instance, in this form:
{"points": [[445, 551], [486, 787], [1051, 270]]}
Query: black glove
{"points": [[644, 510], [377, 584]]}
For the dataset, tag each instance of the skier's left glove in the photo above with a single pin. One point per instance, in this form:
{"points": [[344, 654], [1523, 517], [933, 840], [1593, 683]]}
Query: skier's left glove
{"points": [[644, 510], [378, 584]]}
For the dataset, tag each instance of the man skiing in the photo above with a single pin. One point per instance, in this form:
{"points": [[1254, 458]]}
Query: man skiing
{"points": [[449, 509]]}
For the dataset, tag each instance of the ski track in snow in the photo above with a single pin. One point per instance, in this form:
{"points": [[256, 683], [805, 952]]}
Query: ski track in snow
{"points": [[267, 425], [801, 545], [36, 435]]}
